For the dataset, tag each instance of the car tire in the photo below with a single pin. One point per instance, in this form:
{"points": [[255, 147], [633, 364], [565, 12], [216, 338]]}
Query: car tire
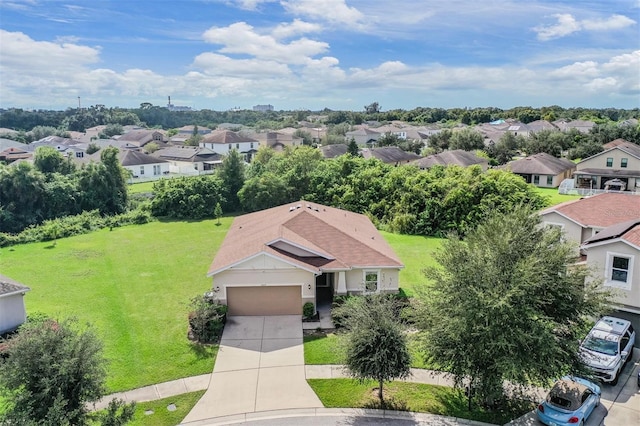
{"points": [[615, 379]]}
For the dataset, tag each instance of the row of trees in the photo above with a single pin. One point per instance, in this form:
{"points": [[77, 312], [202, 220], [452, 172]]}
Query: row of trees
{"points": [[53, 187], [476, 317], [79, 119]]}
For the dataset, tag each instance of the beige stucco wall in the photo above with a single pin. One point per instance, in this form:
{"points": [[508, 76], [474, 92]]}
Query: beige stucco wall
{"points": [[572, 231], [12, 312], [600, 161], [388, 280], [264, 270], [597, 258]]}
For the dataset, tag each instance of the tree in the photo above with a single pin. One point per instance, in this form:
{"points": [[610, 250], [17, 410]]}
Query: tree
{"points": [[48, 160], [231, 172], [53, 371], [195, 138], [151, 147], [353, 147], [217, 212], [507, 303], [376, 345], [372, 108], [467, 140], [188, 197], [92, 148]]}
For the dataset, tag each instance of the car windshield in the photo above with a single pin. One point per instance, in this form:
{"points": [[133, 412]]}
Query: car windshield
{"points": [[598, 344]]}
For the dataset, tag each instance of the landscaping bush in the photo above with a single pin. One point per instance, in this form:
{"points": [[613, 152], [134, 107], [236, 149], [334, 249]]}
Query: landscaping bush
{"points": [[337, 315], [206, 319], [308, 310]]}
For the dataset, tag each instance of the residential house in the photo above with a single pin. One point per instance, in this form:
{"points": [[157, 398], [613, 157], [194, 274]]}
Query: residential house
{"points": [[334, 150], [457, 157], [141, 137], [278, 140], [11, 154], [540, 125], [583, 218], [620, 162], [223, 141], [143, 166], [188, 130], [583, 126], [12, 309], [273, 261], [612, 254], [542, 169], [390, 155], [70, 148], [189, 160], [363, 136]]}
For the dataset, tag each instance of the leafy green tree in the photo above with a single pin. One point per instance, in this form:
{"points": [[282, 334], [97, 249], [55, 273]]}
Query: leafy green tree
{"points": [[22, 197], [53, 371], [264, 191], [372, 108], [231, 172], [48, 160], [92, 148], [389, 139], [353, 147], [188, 197], [217, 212], [507, 303], [195, 138], [151, 147], [307, 139], [585, 150], [466, 139], [376, 345], [440, 141]]}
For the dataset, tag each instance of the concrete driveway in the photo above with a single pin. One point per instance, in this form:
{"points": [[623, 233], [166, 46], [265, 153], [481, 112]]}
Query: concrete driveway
{"points": [[259, 367]]}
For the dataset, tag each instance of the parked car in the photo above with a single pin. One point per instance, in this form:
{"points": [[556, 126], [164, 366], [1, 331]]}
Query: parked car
{"points": [[608, 347], [570, 402]]}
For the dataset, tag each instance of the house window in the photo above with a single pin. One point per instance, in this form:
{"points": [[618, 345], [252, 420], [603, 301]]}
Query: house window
{"points": [[251, 145], [141, 170], [156, 169], [79, 154], [609, 161], [536, 179], [619, 270], [371, 281], [623, 162], [229, 146], [237, 146], [549, 180]]}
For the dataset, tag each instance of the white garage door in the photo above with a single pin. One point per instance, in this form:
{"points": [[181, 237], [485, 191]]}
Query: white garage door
{"points": [[263, 300]]}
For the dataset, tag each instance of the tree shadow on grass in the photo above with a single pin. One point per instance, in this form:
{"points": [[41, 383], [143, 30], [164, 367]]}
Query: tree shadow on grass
{"points": [[204, 351]]}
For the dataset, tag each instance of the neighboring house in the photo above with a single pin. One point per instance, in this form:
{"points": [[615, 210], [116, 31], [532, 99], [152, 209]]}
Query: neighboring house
{"points": [[334, 150], [188, 130], [278, 140], [363, 137], [390, 155], [612, 253], [189, 160], [582, 126], [143, 165], [273, 261], [542, 169], [456, 157], [9, 155], [12, 310], [223, 141], [582, 219], [621, 162], [142, 137], [540, 125]]}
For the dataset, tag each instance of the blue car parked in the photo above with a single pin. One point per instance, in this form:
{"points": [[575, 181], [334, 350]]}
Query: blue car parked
{"points": [[569, 403]]}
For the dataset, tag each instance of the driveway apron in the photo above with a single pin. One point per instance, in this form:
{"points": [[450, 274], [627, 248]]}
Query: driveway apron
{"points": [[259, 367]]}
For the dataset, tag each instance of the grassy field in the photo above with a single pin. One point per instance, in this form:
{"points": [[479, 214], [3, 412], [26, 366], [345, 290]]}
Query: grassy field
{"points": [[134, 285], [137, 188], [553, 197], [418, 397]]}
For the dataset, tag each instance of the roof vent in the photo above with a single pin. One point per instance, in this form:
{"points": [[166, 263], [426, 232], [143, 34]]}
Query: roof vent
{"points": [[291, 208], [298, 206]]}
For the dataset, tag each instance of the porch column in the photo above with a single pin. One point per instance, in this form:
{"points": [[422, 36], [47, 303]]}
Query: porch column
{"points": [[342, 283]]}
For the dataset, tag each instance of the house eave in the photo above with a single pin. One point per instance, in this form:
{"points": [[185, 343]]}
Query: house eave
{"points": [[253, 256], [13, 293], [301, 247]]}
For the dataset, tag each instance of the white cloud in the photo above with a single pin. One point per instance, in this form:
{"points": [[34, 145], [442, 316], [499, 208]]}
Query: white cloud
{"points": [[241, 38], [567, 25], [334, 11], [576, 70], [215, 64], [286, 30]]}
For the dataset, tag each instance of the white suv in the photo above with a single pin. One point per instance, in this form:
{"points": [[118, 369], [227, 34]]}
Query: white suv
{"points": [[608, 347]]}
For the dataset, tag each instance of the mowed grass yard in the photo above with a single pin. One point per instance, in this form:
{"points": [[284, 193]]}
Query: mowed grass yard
{"points": [[554, 197], [134, 285]]}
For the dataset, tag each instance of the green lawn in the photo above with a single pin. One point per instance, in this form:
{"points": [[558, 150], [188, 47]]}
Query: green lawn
{"points": [[137, 188], [134, 285], [418, 397], [161, 416], [416, 252], [554, 197]]}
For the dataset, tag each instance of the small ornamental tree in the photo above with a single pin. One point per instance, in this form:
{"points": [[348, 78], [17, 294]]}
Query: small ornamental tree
{"points": [[50, 373], [218, 212], [376, 345]]}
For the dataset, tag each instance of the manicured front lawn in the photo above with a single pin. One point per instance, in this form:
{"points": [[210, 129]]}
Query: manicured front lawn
{"points": [[417, 397], [134, 285], [161, 416], [137, 188], [326, 349]]}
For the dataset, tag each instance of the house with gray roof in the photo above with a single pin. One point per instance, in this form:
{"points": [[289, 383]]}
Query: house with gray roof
{"points": [[12, 309], [542, 169], [457, 157], [141, 137], [143, 166], [223, 141], [390, 155], [334, 150], [189, 160], [363, 136], [620, 162]]}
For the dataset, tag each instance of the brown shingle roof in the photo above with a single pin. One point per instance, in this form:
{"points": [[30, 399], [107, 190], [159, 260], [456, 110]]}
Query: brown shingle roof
{"points": [[310, 235], [225, 137], [456, 157], [9, 286], [600, 210]]}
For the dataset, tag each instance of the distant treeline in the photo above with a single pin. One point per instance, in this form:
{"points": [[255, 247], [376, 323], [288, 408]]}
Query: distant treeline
{"points": [[79, 119]]}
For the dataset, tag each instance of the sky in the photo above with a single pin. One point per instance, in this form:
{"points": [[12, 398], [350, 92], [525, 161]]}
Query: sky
{"points": [[316, 54]]}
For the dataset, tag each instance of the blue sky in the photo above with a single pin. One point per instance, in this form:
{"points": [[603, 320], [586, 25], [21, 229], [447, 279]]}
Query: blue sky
{"points": [[312, 54]]}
